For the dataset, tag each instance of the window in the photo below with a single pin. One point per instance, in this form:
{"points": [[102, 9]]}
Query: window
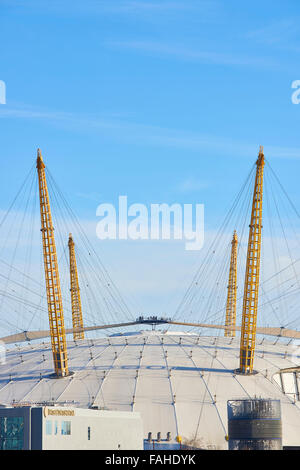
{"points": [[55, 428], [89, 433], [48, 427], [11, 433], [66, 428]]}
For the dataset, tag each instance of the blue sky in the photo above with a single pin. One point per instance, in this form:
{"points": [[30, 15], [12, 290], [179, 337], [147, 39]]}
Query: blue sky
{"points": [[162, 101]]}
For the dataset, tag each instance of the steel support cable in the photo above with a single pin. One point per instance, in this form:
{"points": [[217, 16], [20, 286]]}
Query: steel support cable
{"points": [[274, 251], [21, 301], [138, 373], [16, 197], [21, 195], [208, 265], [9, 305], [180, 380], [57, 204], [223, 282], [88, 283], [293, 321], [21, 273], [244, 209], [87, 323], [216, 240], [100, 390], [223, 276], [220, 267], [206, 390], [285, 211], [264, 293], [285, 238], [89, 246], [109, 307], [192, 301], [284, 192], [102, 310], [73, 219], [17, 239], [271, 232], [94, 369], [221, 287], [28, 258], [99, 379], [85, 288], [105, 282], [28, 289], [29, 245], [245, 203], [265, 281], [56, 208], [92, 270], [27, 277], [57, 221], [221, 363], [285, 294], [268, 302], [216, 338], [42, 297], [7, 323], [220, 277], [171, 388]]}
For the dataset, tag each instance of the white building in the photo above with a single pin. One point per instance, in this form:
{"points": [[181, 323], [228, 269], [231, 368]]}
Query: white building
{"points": [[66, 428]]}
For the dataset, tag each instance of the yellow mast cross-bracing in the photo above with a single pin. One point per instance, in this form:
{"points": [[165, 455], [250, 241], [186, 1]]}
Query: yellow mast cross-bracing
{"points": [[231, 293], [75, 292], [249, 318], [54, 300]]}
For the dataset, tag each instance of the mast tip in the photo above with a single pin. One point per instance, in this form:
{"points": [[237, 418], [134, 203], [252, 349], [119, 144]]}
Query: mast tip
{"points": [[39, 161]]}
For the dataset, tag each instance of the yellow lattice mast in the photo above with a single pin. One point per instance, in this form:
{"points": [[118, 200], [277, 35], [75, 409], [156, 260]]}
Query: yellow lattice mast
{"points": [[75, 292], [248, 330], [232, 287], [54, 300]]}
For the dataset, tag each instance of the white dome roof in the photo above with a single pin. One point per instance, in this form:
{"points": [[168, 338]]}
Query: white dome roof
{"points": [[178, 385]]}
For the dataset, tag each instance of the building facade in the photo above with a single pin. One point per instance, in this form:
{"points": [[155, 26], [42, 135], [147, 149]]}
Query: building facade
{"points": [[66, 428]]}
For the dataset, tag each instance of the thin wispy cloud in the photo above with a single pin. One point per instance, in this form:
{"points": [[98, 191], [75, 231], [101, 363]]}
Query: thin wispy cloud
{"points": [[149, 5], [92, 196], [276, 33], [101, 7], [195, 55], [143, 134], [191, 185]]}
